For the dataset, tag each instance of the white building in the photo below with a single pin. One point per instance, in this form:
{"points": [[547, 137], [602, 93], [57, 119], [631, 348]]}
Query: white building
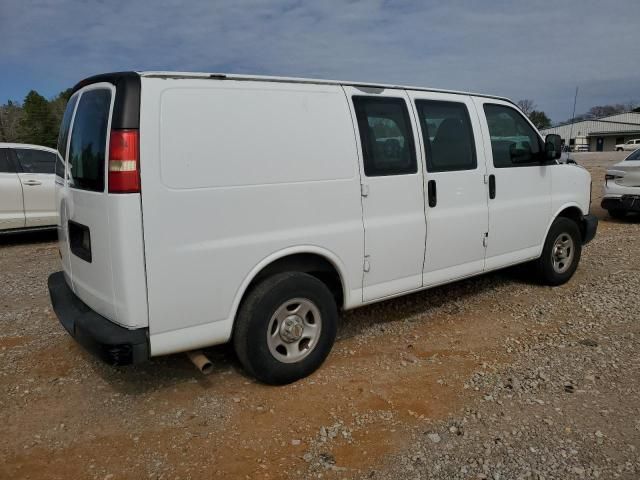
{"points": [[602, 134]]}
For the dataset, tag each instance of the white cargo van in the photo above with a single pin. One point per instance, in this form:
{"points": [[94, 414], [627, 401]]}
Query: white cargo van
{"points": [[197, 209]]}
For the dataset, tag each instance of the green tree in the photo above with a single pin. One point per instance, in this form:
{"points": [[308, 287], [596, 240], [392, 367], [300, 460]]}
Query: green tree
{"points": [[58, 104], [38, 124], [540, 119], [10, 115], [537, 117], [526, 105]]}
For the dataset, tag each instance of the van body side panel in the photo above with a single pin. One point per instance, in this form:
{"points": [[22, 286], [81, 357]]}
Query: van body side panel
{"points": [[570, 185], [233, 173]]}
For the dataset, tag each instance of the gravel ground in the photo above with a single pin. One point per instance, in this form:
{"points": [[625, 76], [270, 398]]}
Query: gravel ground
{"points": [[493, 377]]}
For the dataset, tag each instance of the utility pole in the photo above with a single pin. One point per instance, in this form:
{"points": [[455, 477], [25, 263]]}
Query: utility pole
{"points": [[573, 116]]}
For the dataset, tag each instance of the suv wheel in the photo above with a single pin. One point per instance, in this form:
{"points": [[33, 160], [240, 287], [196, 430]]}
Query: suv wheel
{"points": [[285, 327], [617, 214], [561, 252]]}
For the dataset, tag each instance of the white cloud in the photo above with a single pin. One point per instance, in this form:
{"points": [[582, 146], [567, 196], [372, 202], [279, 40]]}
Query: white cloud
{"points": [[513, 48]]}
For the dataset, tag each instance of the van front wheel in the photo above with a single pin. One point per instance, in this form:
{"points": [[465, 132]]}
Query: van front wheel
{"points": [[285, 327], [561, 252]]}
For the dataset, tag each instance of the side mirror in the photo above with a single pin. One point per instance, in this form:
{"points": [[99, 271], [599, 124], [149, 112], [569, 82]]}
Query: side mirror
{"points": [[553, 146]]}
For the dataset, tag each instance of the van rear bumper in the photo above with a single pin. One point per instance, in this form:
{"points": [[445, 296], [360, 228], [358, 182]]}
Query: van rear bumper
{"points": [[112, 343]]}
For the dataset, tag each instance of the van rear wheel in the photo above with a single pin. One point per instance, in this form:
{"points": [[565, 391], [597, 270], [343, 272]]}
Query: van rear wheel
{"points": [[285, 327], [561, 252]]}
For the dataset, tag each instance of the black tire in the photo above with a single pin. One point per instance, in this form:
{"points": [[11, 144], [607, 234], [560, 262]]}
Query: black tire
{"points": [[619, 149], [546, 271], [255, 316], [617, 214]]}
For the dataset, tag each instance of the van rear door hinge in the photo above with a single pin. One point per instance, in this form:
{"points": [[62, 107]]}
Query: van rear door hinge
{"points": [[485, 239], [486, 179], [366, 266], [364, 189]]}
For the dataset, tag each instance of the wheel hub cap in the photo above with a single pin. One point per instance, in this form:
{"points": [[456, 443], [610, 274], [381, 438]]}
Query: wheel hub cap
{"points": [[562, 253], [294, 330], [291, 329]]}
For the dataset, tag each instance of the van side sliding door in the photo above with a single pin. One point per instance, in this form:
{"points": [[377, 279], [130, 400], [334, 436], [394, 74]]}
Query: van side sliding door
{"points": [[391, 190], [456, 200]]}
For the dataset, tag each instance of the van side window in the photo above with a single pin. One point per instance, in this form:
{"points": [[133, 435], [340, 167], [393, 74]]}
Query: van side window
{"points": [[387, 139], [35, 161], [89, 140], [448, 136], [514, 142], [64, 135]]}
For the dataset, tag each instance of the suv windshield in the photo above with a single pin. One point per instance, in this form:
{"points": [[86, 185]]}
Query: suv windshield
{"points": [[634, 156]]}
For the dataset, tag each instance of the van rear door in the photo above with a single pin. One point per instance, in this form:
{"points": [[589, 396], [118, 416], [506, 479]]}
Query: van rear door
{"points": [[86, 203], [102, 230], [61, 189]]}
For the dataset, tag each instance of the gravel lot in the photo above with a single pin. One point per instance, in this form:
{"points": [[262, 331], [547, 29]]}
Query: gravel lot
{"points": [[493, 377]]}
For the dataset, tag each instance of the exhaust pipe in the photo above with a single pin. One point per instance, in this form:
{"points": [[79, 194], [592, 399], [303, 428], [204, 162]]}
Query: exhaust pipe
{"points": [[201, 362]]}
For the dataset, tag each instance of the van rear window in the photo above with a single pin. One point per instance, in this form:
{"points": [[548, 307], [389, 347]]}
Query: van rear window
{"points": [[88, 145]]}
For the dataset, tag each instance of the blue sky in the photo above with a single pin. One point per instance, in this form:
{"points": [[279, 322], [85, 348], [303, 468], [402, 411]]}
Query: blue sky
{"points": [[521, 49]]}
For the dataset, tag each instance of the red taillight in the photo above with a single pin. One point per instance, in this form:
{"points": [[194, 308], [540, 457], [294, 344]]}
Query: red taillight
{"points": [[124, 161]]}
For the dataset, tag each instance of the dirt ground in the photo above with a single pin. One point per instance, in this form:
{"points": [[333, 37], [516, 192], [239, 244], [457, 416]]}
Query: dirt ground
{"points": [[493, 377]]}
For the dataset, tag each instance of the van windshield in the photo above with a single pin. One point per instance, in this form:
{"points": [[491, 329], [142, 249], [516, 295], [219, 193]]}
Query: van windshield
{"points": [[88, 145]]}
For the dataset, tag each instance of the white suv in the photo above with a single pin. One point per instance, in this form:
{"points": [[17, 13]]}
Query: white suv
{"points": [[629, 145], [622, 187], [27, 187]]}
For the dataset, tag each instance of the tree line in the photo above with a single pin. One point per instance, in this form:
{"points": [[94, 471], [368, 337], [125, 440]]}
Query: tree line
{"points": [[36, 120], [541, 120], [606, 110]]}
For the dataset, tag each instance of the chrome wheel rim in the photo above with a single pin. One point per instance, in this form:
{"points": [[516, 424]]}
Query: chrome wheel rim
{"points": [[294, 330], [562, 253]]}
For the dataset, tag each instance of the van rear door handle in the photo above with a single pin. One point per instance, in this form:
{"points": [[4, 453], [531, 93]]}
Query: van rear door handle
{"points": [[432, 193], [32, 182], [492, 186]]}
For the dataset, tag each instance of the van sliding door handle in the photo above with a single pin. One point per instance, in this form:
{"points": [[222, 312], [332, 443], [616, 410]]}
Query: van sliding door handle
{"points": [[492, 186], [432, 193]]}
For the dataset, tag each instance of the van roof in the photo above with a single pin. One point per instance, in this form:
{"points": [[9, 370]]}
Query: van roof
{"points": [[266, 78], [317, 81]]}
